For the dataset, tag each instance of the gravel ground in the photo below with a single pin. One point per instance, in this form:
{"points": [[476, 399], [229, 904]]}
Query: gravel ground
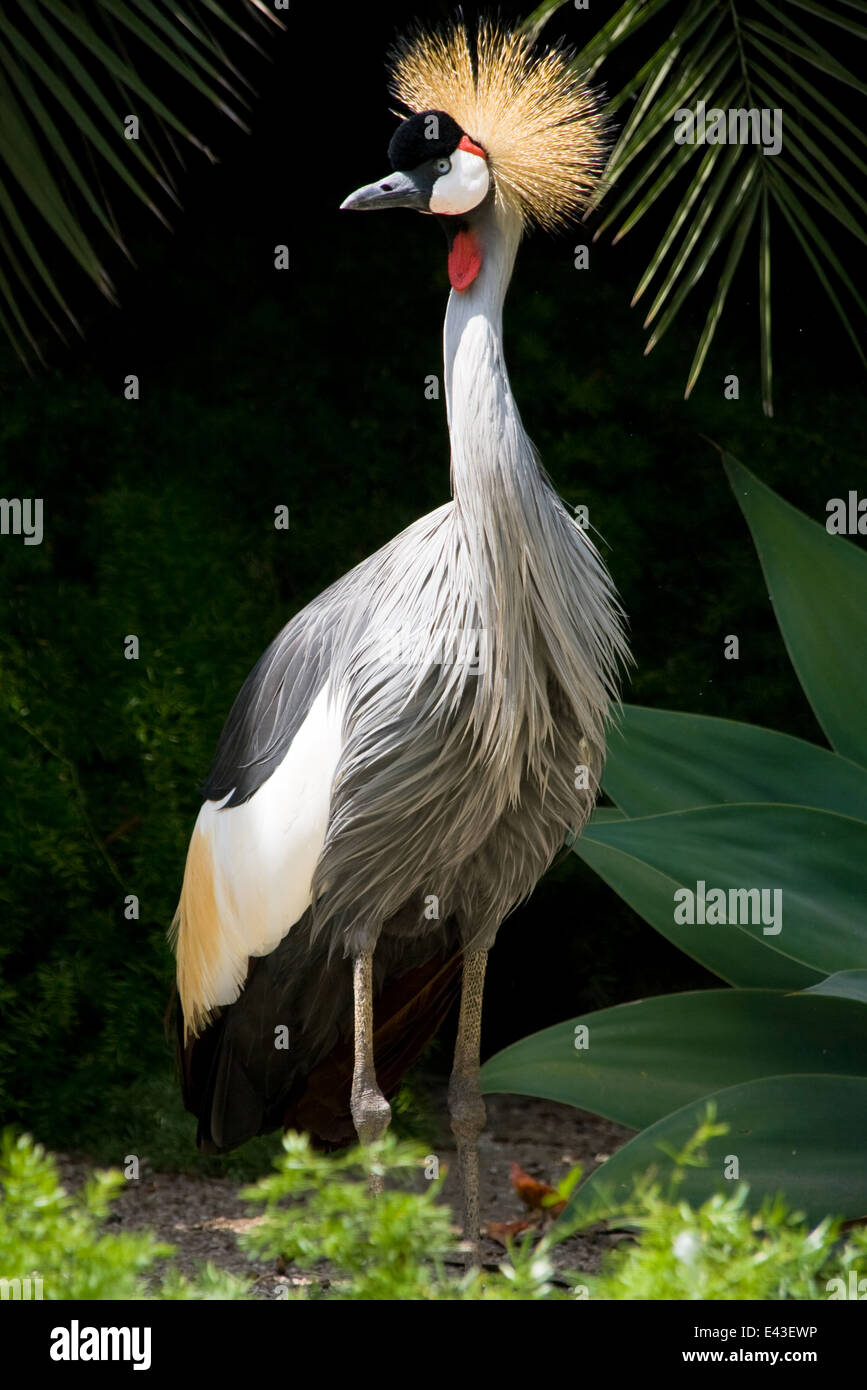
{"points": [[202, 1216]]}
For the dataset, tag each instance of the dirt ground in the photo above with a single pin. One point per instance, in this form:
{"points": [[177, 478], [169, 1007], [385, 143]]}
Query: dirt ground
{"points": [[201, 1216]]}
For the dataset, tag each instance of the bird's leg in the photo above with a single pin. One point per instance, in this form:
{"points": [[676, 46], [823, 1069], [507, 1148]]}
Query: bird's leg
{"points": [[466, 1107], [371, 1111]]}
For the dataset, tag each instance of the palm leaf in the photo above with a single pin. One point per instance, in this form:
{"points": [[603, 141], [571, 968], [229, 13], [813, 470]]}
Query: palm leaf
{"points": [[627, 20], [734, 58], [813, 242], [809, 49], [699, 15], [739, 240], [744, 182], [66, 72], [765, 305]]}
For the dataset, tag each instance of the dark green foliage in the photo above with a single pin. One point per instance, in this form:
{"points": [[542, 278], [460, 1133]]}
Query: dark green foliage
{"points": [[62, 1239], [306, 389], [319, 1216], [733, 195], [67, 78], [700, 799], [159, 522]]}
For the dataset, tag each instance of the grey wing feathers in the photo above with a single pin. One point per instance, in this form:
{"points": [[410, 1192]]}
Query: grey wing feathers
{"points": [[276, 697], [271, 705]]}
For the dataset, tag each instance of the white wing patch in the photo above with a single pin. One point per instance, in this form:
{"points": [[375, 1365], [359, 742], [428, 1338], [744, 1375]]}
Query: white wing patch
{"points": [[249, 868]]}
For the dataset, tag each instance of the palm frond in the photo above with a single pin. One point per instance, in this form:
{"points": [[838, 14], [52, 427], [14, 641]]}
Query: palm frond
{"points": [[741, 55], [70, 73]]}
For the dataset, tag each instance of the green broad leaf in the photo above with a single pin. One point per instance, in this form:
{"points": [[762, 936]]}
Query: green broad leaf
{"points": [[811, 864], [803, 1135], [845, 984], [638, 1062], [732, 955], [603, 814], [818, 585], [661, 760]]}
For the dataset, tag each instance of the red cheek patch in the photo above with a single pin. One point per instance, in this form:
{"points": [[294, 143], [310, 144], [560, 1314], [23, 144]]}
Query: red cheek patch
{"points": [[465, 260]]}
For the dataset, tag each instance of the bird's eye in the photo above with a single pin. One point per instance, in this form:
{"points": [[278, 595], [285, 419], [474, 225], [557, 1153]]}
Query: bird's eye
{"points": [[442, 166]]}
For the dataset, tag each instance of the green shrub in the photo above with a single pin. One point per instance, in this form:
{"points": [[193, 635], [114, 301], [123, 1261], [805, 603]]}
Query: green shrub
{"points": [[46, 1233], [720, 1249], [400, 1245], [347, 1245], [394, 1246]]}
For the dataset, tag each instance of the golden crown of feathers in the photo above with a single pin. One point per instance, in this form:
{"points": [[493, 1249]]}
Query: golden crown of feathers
{"points": [[539, 125]]}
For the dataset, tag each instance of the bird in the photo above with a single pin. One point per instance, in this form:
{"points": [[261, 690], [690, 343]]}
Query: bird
{"points": [[418, 743]]}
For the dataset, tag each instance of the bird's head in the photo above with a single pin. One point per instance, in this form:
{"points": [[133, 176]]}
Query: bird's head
{"points": [[437, 168], [494, 125]]}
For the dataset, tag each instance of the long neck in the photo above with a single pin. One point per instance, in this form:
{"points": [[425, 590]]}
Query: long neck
{"points": [[498, 491], [492, 458], [538, 585]]}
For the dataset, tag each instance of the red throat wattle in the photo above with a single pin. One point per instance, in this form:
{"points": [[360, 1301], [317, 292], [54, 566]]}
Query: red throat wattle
{"points": [[465, 260]]}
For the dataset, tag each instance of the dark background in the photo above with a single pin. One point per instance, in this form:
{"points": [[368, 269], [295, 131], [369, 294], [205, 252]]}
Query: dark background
{"points": [[306, 387]]}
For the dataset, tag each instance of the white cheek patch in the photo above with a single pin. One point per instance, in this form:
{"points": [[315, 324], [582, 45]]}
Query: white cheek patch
{"points": [[463, 187]]}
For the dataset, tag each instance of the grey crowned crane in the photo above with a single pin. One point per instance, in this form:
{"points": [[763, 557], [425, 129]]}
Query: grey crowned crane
{"points": [[404, 761]]}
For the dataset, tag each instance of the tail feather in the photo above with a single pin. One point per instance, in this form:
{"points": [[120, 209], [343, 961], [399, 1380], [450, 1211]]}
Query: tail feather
{"points": [[240, 1082]]}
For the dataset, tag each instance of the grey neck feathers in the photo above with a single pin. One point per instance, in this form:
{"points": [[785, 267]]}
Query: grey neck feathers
{"points": [[492, 458], [538, 583]]}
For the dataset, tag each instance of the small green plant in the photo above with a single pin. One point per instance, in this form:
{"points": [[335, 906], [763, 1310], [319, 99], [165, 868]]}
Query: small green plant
{"points": [[721, 1249], [398, 1245], [59, 1240], [349, 1245]]}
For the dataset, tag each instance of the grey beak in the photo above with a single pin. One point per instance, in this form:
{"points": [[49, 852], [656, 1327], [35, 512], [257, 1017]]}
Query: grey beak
{"points": [[397, 190]]}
